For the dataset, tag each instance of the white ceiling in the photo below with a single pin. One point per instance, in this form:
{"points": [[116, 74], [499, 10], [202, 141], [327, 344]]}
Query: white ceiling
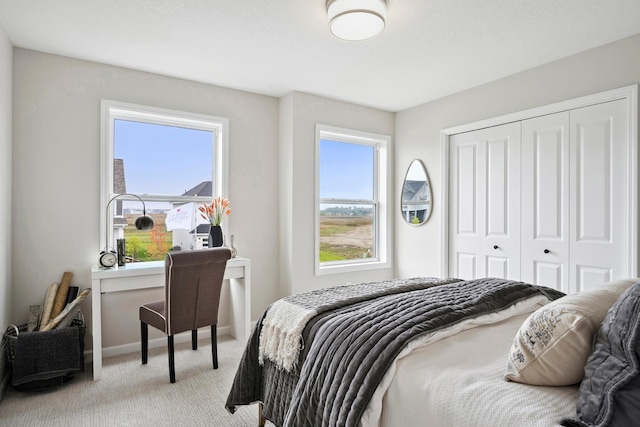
{"points": [[429, 49]]}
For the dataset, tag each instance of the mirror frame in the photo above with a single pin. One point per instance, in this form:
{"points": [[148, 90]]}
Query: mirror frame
{"points": [[417, 163]]}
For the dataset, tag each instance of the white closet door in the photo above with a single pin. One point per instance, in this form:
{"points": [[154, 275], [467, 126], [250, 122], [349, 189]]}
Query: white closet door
{"points": [[600, 194], [484, 214], [545, 201]]}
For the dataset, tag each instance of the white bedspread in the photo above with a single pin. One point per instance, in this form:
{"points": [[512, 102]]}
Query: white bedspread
{"points": [[458, 381]]}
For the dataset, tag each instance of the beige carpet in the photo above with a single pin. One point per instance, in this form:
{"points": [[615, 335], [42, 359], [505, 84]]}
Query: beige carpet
{"points": [[130, 394]]}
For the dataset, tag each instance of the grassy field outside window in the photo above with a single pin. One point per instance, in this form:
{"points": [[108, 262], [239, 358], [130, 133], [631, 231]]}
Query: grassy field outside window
{"points": [[346, 237]]}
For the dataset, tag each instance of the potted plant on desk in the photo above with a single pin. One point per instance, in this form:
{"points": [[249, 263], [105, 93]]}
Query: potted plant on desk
{"points": [[214, 213]]}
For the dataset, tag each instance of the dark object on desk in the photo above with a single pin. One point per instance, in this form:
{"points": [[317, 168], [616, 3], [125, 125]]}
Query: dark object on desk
{"points": [[44, 360], [193, 280], [121, 252], [215, 237]]}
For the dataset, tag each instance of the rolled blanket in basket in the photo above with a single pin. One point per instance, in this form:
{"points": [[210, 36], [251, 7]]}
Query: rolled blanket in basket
{"points": [[44, 359]]}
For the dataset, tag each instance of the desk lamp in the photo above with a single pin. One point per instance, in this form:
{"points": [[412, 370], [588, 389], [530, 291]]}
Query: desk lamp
{"points": [[108, 256]]}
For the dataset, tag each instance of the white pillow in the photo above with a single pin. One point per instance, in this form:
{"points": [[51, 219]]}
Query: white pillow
{"points": [[553, 344]]}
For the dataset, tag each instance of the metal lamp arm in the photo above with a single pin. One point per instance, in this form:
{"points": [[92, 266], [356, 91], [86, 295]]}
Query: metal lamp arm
{"points": [[106, 227]]}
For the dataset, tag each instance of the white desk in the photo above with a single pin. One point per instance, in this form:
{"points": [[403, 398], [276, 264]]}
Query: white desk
{"points": [[238, 271]]}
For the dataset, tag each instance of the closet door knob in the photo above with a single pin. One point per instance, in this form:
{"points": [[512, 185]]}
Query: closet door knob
{"points": [[546, 251], [495, 246]]}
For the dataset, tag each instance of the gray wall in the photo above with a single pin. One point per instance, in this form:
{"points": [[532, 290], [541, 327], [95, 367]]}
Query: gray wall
{"points": [[56, 167], [6, 66], [299, 113], [56, 178], [418, 129]]}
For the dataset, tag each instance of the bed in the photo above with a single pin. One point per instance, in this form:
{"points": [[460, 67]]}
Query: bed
{"points": [[444, 352]]}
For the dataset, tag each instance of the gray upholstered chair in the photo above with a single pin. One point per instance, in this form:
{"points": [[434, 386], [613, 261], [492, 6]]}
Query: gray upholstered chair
{"points": [[193, 280]]}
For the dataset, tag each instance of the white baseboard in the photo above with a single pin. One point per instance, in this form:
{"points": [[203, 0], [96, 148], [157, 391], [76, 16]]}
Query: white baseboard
{"points": [[156, 342]]}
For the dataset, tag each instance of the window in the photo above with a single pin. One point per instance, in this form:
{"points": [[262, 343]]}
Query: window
{"points": [[168, 159], [352, 207]]}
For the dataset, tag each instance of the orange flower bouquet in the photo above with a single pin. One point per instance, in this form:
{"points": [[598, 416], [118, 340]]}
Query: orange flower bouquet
{"points": [[215, 212]]}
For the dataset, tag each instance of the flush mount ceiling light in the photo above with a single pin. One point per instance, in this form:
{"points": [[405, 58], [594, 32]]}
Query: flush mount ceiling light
{"points": [[356, 19]]}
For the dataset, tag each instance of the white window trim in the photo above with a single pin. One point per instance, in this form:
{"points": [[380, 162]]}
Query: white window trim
{"points": [[113, 110], [382, 187]]}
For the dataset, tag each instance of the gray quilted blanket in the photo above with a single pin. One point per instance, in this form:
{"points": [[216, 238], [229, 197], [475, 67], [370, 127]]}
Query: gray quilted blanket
{"points": [[349, 348]]}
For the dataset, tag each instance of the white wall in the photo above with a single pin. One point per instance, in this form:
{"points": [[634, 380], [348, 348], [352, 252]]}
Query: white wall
{"points": [[56, 178], [299, 114], [6, 67], [418, 129]]}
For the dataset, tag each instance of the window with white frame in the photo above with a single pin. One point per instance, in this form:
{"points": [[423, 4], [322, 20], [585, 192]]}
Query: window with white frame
{"points": [[352, 210], [164, 161]]}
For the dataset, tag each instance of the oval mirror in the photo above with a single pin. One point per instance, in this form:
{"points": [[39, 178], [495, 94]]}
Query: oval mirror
{"points": [[416, 194]]}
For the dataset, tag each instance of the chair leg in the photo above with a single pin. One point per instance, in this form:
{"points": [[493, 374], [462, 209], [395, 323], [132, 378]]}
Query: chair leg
{"points": [[144, 339], [214, 345], [194, 339], [172, 364]]}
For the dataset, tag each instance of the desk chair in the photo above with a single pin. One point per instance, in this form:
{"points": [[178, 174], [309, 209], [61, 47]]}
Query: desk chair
{"points": [[193, 280]]}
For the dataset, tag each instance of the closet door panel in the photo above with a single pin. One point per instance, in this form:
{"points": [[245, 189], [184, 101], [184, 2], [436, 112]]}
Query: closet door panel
{"points": [[497, 267], [545, 201], [465, 215], [549, 192], [466, 189], [497, 214], [466, 266], [501, 240], [484, 203], [600, 194], [588, 276], [593, 150], [550, 272]]}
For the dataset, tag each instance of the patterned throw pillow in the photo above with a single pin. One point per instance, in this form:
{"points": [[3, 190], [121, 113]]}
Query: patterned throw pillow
{"points": [[552, 346]]}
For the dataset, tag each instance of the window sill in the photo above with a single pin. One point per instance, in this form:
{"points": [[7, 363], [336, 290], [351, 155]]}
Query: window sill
{"points": [[339, 268]]}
